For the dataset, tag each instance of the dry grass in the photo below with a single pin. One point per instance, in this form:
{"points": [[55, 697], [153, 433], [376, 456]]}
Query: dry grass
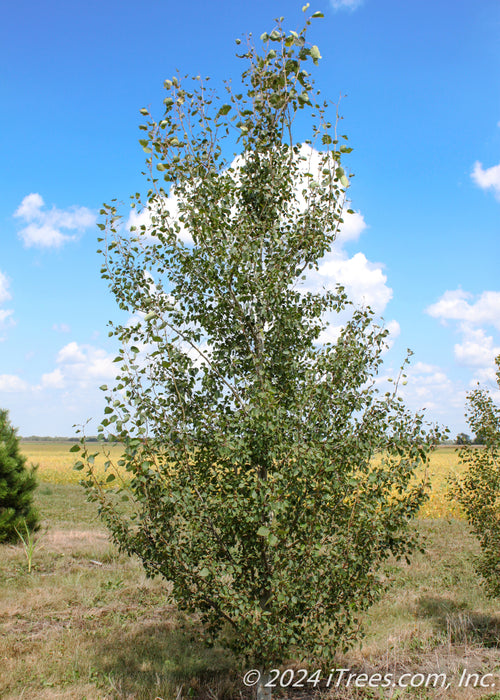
{"points": [[433, 619], [87, 623]]}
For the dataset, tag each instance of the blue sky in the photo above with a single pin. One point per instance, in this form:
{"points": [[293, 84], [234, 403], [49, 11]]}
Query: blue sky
{"points": [[421, 82]]}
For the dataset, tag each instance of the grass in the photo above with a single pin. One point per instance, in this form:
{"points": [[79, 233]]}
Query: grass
{"points": [[28, 544], [87, 624]]}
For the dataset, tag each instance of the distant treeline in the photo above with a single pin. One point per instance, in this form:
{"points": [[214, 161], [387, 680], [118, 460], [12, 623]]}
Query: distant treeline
{"points": [[45, 438]]}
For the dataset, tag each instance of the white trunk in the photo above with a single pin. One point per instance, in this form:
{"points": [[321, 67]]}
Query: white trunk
{"points": [[262, 692]]}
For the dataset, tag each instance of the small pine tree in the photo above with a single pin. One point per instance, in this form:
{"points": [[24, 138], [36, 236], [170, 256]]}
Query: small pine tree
{"points": [[17, 484]]}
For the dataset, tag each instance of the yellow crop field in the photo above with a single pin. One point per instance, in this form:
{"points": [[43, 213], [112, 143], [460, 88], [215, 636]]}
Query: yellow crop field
{"points": [[444, 463], [56, 466], [55, 461]]}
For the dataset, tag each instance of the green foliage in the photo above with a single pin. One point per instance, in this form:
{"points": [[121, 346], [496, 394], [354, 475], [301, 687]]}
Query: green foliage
{"points": [[463, 439], [268, 477], [479, 438], [17, 484], [478, 490]]}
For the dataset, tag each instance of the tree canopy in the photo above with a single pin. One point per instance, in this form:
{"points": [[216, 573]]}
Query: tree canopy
{"points": [[478, 488], [267, 477]]}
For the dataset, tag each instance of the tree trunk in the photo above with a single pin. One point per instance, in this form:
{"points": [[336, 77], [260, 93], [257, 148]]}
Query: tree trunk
{"points": [[263, 693]]}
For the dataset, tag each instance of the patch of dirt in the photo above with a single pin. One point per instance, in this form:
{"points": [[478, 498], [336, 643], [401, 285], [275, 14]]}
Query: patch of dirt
{"points": [[63, 541]]}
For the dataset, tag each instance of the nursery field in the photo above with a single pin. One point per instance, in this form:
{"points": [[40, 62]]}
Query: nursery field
{"points": [[56, 466], [86, 624]]}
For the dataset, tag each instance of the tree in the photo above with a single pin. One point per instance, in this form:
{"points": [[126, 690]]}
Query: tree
{"points": [[17, 484], [479, 438], [269, 479], [463, 439], [478, 489]]}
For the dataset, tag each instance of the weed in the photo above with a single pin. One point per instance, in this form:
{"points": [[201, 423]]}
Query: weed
{"points": [[28, 544]]}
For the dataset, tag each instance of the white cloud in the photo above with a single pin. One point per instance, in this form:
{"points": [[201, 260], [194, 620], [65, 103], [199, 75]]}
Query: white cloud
{"points": [[83, 365], [70, 354], [477, 349], [394, 331], [5, 295], [12, 383], [364, 282], [30, 207], [4, 315], [330, 334], [352, 228], [65, 395], [45, 227], [345, 4], [43, 236], [80, 368], [428, 387], [487, 179], [53, 380], [455, 305], [4, 288], [169, 212], [61, 328]]}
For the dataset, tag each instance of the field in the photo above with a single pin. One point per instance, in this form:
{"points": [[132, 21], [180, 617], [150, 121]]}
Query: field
{"points": [[56, 466], [86, 623]]}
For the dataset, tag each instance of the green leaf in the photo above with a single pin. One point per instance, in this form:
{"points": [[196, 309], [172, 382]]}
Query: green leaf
{"points": [[144, 111], [315, 54], [263, 531], [316, 15], [75, 448], [224, 110], [150, 315], [345, 181], [264, 37], [305, 7], [204, 572]]}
